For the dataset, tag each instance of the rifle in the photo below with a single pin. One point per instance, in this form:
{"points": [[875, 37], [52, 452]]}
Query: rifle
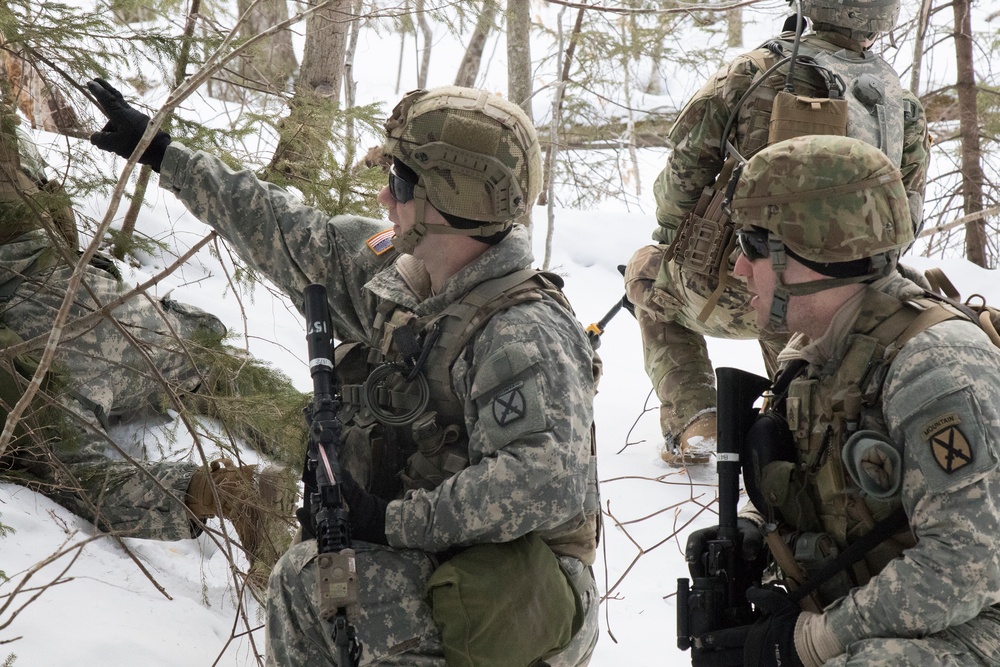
{"points": [[713, 614], [596, 329], [337, 581]]}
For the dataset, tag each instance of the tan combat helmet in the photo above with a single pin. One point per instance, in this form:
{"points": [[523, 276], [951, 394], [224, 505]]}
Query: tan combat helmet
{"points": [[836, 204], [476, 157], [863, 18]]}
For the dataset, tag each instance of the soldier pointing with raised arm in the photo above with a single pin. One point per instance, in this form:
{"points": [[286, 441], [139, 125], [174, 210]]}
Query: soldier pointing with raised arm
{"points": [[467, 390]]}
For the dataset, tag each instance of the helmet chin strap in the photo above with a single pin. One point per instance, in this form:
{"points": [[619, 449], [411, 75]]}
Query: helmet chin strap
{"points": [[778, 316], [408, 241]]}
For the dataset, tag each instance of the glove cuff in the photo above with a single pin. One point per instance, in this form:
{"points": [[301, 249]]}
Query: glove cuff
{"points": [[153, 155], [815, 642]]}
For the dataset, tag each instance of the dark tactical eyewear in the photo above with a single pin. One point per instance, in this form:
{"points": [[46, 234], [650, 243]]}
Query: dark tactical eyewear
{"points": [[753, 243], [400, 188]]}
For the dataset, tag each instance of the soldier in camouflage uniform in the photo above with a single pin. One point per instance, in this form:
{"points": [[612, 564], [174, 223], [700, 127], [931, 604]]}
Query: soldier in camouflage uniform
{"points": [[669, 297], [891, 405], [503, 450], [113, 368]]}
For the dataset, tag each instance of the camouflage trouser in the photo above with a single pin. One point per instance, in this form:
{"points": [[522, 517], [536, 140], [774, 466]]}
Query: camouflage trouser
{"points": [[667, 301], [394, 621], [973, 644], [104, 371]]}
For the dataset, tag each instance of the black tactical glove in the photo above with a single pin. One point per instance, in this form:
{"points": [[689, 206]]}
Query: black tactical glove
{"points": [[367, 511], [771, 640], [751, 548], [125, 126]]}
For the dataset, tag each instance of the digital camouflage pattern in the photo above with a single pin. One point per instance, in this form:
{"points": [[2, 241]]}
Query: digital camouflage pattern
{"points": [[828, 198], [103, 373], [392, 601], [476, 153], [528, 473], [695, 162], [940, 406]]}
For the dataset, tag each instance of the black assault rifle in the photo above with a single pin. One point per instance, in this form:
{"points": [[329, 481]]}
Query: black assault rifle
{"points": [[713, 614], [337, 580]]}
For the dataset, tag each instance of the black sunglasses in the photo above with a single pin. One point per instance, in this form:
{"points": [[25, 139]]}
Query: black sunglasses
{"points": [[753, 243], [400, 188]]}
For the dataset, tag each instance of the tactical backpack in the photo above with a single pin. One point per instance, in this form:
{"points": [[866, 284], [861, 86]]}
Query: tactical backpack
{"points": [[869, 108]]}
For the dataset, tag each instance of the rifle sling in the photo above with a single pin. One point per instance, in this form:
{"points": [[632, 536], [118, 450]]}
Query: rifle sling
{"points": [[879, 533]]}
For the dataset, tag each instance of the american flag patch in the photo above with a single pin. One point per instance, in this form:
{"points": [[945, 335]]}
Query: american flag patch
{"points": [[381, 241]]}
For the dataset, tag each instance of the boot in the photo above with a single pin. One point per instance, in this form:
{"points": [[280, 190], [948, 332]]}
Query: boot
{"points": [[695, 445], [259, 505]]}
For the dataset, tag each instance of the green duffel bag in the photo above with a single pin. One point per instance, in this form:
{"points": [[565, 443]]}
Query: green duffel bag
{"points": [[508, 605]]}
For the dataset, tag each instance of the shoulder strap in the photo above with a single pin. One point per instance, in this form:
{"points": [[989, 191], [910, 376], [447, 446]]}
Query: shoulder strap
{"points": [[476, 308], [941, 284], [879, 533], [462, 319]]}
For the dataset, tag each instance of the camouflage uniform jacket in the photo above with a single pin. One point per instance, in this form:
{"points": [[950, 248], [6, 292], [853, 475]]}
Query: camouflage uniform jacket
{"points": [[940, 405], [528, 472], [696, 136]]}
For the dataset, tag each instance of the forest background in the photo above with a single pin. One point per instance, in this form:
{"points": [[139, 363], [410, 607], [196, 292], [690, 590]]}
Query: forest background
{"points": [[297, 92]]}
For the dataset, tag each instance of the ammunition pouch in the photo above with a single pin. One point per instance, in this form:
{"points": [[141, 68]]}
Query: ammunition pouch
{"points": [[814, 550], [706, 237], [796, 115], [441, 451]]}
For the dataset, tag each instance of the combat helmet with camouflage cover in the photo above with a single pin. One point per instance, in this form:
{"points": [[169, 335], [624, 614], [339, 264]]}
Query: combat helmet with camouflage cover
{"points": [[836, 204], [475, 155], [863, 18]]}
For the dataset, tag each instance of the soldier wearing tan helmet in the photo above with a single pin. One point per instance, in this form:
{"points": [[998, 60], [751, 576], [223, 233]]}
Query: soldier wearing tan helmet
{"points": [[828, 81], [884, 426], [470, 470]]}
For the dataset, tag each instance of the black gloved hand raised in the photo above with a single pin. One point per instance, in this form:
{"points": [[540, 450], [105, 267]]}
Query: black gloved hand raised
{"points": [[125, 126], [367, 511], [751, 548], [771, 640]]}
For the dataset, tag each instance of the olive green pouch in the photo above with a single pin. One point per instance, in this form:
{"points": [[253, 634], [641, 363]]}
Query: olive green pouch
{"points": [[503, 605]]}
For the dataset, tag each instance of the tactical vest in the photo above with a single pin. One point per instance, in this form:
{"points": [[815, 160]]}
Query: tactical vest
{"points": [[417, 425], [815, 495]]}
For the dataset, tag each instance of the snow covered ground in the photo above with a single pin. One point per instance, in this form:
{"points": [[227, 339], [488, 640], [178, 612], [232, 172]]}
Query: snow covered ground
{"points": [[107, 610]]}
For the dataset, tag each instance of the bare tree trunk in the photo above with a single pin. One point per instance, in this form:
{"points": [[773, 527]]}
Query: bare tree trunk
{"points": [[123, 241], [305, 134], [626, 78], [468, 71], [557, 107], [923, 19], [270, 64], [350, 85], [550, 155], [519, 88], [734, 28], [968, 115], [428, 35]]}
